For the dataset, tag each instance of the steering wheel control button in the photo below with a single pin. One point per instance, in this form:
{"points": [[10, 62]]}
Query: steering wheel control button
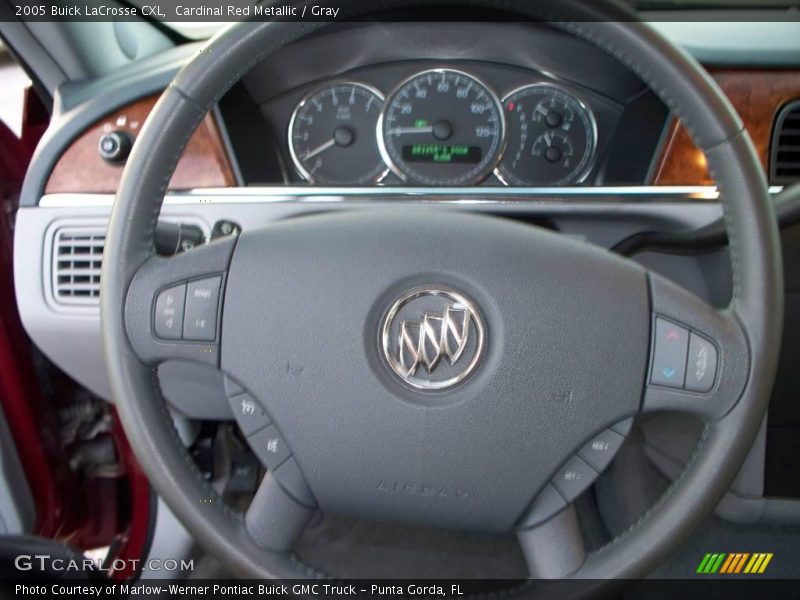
{"points": [[669, 355], [701, 368], [168, 317], [249, 414], [202, 303], [601, 449], [433, 338], [547, 503], [573, 478], [292, 480], [269, 446]]}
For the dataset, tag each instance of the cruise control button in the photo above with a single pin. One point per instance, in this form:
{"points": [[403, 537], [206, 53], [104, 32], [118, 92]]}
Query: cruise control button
{"points": [[573, 478], [269, 446], [669, 356], [168, 317], [249, 414], [547, 503], [601, 449], [701, 368], [202, 302]]}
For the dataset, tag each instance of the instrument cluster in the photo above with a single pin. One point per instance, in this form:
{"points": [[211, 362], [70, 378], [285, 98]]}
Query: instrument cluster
{"points": [[445, 127]]}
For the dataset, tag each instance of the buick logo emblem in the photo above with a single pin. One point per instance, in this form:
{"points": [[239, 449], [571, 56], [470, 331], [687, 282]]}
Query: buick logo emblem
{"points": [[433, 338]]}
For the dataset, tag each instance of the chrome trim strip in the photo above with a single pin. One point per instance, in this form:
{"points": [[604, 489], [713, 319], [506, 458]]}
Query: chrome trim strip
{"points": [[461, 195]]}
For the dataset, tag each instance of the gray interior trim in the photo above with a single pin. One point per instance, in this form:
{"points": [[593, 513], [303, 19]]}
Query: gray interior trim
{"points": [[87, 49], [772, 511], [57, 329], [19, 37], [743, 503], [670, 440], [170, 540]]}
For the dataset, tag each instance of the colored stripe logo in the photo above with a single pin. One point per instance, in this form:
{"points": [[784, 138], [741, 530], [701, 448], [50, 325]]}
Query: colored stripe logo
{"points": [[734, 563]]}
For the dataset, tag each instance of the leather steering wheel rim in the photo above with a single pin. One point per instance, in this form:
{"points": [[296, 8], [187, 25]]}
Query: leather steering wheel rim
{"points": [[674, 76]]}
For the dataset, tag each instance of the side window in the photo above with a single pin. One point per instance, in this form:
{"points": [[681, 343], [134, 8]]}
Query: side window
{"points": [[13, 83], [23, 120]]}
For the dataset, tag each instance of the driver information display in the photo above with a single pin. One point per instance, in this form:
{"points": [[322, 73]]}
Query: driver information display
{"points": [[442, 153]]}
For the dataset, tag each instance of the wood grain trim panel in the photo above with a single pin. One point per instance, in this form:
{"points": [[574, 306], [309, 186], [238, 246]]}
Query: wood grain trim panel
{"points": [[204, 163], [756, 95]]}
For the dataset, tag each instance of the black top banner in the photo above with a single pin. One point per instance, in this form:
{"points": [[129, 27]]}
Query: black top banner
{"points": [[230, 11]]}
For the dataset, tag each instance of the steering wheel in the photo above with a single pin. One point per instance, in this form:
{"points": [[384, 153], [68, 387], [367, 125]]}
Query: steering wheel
{"points": [[435, 367]]}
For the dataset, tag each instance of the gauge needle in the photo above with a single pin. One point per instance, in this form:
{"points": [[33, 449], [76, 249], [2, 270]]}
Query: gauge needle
{"points": [[548, 139], [320, 148], [401, 130], [541, 109]]}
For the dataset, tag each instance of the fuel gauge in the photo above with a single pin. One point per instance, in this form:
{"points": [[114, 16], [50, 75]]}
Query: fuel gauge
{"points": [[554, 146], [551, 137]]}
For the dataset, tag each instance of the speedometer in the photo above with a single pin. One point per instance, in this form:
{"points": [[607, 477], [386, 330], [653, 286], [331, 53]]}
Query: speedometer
{"points": [[441, 127]]}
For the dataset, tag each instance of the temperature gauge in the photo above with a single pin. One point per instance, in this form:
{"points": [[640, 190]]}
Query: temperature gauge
{"points": [[551, 137]]}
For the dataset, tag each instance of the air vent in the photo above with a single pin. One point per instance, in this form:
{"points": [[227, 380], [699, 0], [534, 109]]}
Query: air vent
{"points": [[77, 259], [785, 156]]}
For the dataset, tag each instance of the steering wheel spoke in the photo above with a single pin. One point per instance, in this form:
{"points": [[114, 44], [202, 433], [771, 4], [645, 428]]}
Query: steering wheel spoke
{"points": [[554, 548], [173, 305], [699, 356], [276, 517]]}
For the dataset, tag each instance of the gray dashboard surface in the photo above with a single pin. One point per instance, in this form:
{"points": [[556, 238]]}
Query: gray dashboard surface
{"points": [[534, 47], [81, 103]]}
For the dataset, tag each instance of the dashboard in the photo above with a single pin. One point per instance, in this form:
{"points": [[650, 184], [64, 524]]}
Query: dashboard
{"points": [[510, 106], [445, 104], [445, 126]]}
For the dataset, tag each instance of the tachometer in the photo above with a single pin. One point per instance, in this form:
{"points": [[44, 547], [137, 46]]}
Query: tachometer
{"points": [[552, 137], [332, 135], [441, 127]]}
